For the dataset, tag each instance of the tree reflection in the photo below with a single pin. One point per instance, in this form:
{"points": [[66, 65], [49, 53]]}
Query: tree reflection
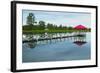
{"points": [[32, 44]]}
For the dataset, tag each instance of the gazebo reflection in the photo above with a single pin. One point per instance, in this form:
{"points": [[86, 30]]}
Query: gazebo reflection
{"points": [[80, 39]]}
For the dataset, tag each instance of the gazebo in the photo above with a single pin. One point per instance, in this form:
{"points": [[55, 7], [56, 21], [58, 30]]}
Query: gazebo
{"points": [[80, 27], [80, 36]]}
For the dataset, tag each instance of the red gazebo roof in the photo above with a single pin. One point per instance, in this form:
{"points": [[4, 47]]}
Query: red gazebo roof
{"points": [[80, 27]]}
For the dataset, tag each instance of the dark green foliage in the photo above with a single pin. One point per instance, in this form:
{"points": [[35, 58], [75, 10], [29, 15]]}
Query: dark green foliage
{"points": [[30, 19], [41, 25]]}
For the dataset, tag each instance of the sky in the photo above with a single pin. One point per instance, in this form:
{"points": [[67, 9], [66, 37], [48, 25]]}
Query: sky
{"points": [[59, 17]]}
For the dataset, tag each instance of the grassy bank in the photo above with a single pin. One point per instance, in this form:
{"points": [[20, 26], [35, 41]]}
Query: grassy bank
{"points": [[54, 31]]}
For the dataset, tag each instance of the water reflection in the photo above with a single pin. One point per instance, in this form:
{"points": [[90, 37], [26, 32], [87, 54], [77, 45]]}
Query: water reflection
{"points": [[55, 47], [80, 39], [32, 44], [33, 40]]}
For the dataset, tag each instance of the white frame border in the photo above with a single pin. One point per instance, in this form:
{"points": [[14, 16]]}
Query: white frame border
{"points": [[35, 65]]}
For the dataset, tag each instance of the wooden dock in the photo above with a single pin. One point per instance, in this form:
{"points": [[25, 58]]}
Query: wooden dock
{"points": [[42, 39], [51, 38]]}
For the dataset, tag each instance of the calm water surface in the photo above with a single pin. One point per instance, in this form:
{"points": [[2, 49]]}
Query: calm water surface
{"points": [[57, 50]]}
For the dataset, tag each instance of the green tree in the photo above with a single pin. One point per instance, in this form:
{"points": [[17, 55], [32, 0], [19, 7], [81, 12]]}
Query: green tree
{"points": [[50, 26], [31, 19], [70, 28], [41, 25], [60, 27]]}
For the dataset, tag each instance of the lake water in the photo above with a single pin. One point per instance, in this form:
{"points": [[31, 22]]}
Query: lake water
{"points": [[70, 48]]}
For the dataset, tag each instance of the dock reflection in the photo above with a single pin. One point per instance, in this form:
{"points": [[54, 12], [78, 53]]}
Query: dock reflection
{"points": [[34, 40]]}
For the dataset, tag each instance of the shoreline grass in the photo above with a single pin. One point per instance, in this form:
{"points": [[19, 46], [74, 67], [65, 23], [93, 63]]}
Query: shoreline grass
{"points": [[54, 31]]}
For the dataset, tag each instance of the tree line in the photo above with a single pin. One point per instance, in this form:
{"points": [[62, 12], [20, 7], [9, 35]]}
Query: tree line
{"points": [[32, 24]]}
